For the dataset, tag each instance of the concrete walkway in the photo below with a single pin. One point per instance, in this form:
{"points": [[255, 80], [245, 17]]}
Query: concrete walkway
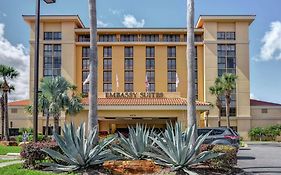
{"points": [[3, 164]]}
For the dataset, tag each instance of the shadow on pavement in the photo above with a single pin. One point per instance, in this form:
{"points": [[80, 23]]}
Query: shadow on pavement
{"points": [[263, 170], [245, 158]]}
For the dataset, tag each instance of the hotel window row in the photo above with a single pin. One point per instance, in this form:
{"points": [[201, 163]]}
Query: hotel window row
{"points": [[226, 36], [107, 69], [129, 69], [52, 35], [85, 68], [52, 60], [138, 38], [172, 69], [150, 68], [227, 64]]}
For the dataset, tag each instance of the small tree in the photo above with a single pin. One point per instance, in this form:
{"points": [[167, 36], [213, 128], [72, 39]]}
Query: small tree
{"points": [[217, 90], [7, 73], [228, 82], [75, 102]]}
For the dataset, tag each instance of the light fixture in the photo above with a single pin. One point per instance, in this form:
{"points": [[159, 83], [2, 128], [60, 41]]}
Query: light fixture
{"points": [[50, 1]]}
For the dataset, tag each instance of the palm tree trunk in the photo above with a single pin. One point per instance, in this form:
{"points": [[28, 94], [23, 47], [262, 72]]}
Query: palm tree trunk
{"points": [[190, 53], [47, 125], [56, 123], [6, 116], [93, 116], [227, 99], [219, 107], [2, 116]]}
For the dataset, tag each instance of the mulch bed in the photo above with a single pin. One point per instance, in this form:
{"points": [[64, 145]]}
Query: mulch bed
{"points": [[141, 167]]}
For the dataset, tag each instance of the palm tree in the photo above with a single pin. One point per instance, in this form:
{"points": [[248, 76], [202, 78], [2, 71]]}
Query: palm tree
{"points": [[2, 115], [93, 91], [190, 56], [55, 93], [228, 82], [43, 107], [7, 73], [217, 90], [75, 102]]}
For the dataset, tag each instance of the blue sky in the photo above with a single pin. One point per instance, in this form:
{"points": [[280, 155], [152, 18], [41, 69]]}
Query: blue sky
{"points": [[265, 73]]}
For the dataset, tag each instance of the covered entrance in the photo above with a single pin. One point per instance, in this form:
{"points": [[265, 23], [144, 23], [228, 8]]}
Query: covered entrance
{"points": [[120, 124]]}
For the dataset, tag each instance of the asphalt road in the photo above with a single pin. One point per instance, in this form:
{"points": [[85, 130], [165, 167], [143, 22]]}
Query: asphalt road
{"points": [[261, 159]]}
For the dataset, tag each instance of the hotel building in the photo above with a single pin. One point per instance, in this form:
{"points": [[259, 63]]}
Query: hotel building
{"points": [[142, 73]]}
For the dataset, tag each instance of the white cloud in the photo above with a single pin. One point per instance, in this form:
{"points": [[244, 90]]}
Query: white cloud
{"points": [[130, 21], [252, 96], [17, 57], [271, 48], [101, 23]]}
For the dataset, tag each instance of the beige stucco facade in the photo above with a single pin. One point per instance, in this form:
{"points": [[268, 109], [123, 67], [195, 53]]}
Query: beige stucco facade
{"points": [[112, 117]]}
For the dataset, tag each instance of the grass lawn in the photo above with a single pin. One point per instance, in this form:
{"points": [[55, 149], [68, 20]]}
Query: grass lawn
{"points": [[18, 170], [8, 160], [9, 149]]}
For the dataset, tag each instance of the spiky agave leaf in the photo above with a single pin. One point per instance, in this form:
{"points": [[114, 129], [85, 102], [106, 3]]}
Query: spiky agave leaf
{"points": [[78, 151], [136, 144], [174, 149]]}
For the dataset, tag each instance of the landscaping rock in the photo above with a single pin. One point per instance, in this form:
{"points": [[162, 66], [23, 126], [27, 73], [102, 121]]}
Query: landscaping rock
{"points": [[23, 143]]}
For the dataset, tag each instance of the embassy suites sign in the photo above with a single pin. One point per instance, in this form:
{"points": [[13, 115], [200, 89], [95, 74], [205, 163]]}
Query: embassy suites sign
{"points": [[134, 94]]}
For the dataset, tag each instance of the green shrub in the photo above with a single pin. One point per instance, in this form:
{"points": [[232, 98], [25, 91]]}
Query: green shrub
{"points": [[30, 138], [28, 130], [33, 155], [265, 134], [225, 162]]}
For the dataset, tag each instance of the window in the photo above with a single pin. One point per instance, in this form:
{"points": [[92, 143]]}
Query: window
{"points": [[57, 35], [48, 35], [226, 35], [150, 52], [172, 66], [52, 35], [107, 52], [85, 69], [264, 111], [150, 68], [107, 69], [227, 64], [196, 72], [150, 38], [14, 110], [84, 38], [52, 60], [128, 67], [107, 38], [171, 38], [129, 38]]}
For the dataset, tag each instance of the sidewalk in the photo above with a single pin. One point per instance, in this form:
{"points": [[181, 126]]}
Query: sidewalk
{"points": [[10, 163]]}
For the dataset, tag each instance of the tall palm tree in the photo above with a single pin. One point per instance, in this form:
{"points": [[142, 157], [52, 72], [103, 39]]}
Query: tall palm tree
{"points": [[228, 82], [7, 73], [55, 91], [2, 106], [93, 91], [217, 90], [190, 56]]}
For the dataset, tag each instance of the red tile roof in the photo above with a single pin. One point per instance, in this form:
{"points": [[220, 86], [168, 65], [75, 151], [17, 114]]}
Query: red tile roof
{"points": [[127, 102], [263, 103]]}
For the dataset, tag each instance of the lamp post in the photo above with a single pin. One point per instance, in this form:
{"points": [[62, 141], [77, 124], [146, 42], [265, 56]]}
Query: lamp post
{"points": [[36, 67]]}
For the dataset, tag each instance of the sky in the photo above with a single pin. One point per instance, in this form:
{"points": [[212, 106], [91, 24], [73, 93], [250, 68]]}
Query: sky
{"points": [[265, 32]]}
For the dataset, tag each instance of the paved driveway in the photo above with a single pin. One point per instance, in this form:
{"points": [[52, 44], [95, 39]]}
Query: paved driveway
{"points": [[261, 159]]}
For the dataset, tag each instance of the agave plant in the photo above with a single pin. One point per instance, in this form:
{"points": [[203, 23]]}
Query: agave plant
{"points": [[79, 152], [136, 144], [174, 149]]}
